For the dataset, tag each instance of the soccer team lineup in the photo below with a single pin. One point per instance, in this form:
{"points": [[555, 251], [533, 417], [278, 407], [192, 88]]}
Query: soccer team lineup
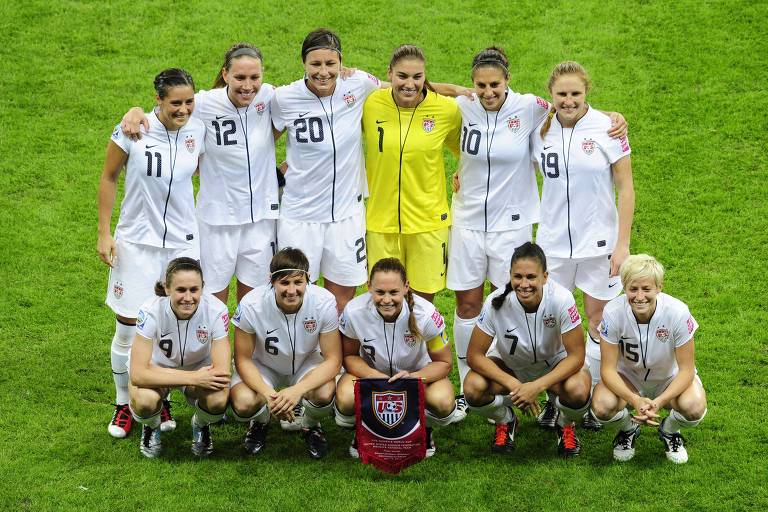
{"points": [[361, 200]]}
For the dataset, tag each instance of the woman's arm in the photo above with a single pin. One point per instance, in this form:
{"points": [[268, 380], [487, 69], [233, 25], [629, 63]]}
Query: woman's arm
{"points": [[480, 363], [622, 177], [356, 365], [113, 163], [132, 122], [686, 370], [245, 344], [439, 368]]}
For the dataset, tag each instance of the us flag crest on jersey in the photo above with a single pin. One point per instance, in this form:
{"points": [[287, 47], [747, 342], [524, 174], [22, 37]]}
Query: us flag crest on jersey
{"points": [[118, 289], [662, 334], [410, 339], [428, 124], [549, 321], [202, 334], [513, 123], [349, 99], [260, 107], [588, 146], [310, 324], [390, 423], [189, 142]]}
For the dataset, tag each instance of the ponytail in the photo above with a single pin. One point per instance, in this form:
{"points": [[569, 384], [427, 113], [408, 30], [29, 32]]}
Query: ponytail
{"points": [[548, 122], [412, 326], [498, 301]]}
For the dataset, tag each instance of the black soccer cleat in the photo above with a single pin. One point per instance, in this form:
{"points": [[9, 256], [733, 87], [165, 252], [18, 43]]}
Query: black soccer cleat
{"points": [[317, 444]]}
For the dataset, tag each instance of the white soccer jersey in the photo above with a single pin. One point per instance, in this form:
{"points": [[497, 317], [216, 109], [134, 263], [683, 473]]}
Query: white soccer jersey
{"points": [[498, 189], [284, 341], [524, 338], [237, 173], [325, 181], [579, 217], [178, 343], [390, 347], [158, 208], [647, 351]]}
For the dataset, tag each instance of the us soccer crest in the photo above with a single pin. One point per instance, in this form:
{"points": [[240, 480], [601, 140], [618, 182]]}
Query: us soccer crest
{"points": [[189, 143], [390, 407], [349, 99], [513, 123], [310, 325], [428, 124], [118, 289], [549, 321], [662, 334], [410, 339], [260, 107], [202, 334], [588, 146]]}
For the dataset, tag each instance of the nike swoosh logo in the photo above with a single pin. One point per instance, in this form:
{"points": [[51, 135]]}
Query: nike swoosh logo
{"points": [[166, 334], [366, 340], [547, 147], [379, 122], [220, 117], [622, 338], [149, 147], [612, 285], [472, 124], [302, 115], [462, 358], [512, 329], [270, 332]]}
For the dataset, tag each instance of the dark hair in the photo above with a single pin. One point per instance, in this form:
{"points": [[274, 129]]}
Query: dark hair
{"points": [[320, 38], [174, 266], [396, 266], [409, 51], [568, 67], [286, 262], [173, 77], [238, 50], [492, 56], [527, 251]]}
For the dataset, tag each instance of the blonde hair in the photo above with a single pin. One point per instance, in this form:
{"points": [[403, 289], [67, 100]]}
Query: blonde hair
{"points": [[638, 266], [569, 67]]}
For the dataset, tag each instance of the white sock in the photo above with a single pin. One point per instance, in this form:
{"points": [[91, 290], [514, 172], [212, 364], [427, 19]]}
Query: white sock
{"points": [[434, 421], [568, 415], [675, 421], [260, 416], [344, 420], [622, 420], [121, 347], [462, 332], [495, 409], [152, 421], [202, 417], [314, 413]]}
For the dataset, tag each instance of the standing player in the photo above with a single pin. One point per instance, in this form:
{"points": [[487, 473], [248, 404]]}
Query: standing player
{"points": [[157, 219], [322, 204], [406, 127], [286, 335], [585, 237], [182, 340], [389, 333], [648, 363], [237, 205], [539, 347], [496, 200]]}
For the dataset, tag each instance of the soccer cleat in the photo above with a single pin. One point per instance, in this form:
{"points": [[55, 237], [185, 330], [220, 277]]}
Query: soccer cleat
{"points": [[353, 448], [590, 422], [167, 423], [295, 425], [121, 423], [674, 445], [255, 438], [547, 418], [624, 444], [461, 409], [202, 444], [504, 437], [317, 444], [568, 444], [430, 443], [149, 445]]}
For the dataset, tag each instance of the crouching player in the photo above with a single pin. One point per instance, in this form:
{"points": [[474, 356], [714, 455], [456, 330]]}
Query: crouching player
{"points": [[181, 341], [648, 363], [539, 347], [286, 336], [391, 333]]}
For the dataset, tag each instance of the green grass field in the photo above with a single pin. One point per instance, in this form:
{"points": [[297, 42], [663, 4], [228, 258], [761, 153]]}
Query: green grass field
{"points": [[687, 77]]}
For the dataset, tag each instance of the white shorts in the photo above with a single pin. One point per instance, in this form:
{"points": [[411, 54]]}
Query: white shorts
{"points": [[594, 368], [589, 275], [137, 269], [334, 249], [530, 372], [652, 388], [274, 379], [244, 251], [474, 256]]}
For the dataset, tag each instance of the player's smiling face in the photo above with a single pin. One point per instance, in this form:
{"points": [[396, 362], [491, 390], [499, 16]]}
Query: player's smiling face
{"points": [[490, 87], [388, 292], [322, 67], [174, 110], [407, 77], [569, 96], [185, 291], [243, 79], [289, 292], [527, 279], [641, 295]]}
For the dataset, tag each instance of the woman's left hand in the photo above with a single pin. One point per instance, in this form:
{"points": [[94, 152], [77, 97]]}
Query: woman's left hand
{"points": [[526, 396], [618, 256], [399, 375], [283, 401], [455, 182], [619, 127]]}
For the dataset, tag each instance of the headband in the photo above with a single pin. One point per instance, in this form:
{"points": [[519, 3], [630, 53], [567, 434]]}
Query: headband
{"points": [[324, 47], [288, 270], [493, 62], [245, 51]]}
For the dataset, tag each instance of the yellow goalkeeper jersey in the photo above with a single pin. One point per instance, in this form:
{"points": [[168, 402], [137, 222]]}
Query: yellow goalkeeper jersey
{"points": [[404, 162]]}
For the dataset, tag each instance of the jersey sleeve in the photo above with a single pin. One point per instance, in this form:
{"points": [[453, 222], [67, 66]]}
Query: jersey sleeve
{"points": [[538, 109], [485, 320], [122, 140], [329, 316], [277, 114], [569, 313], [609, 326], [433, 324], [369, 83], [220, 328], [242, 319], [685, 327], [346, 325], [146, 323], [614, 149]]}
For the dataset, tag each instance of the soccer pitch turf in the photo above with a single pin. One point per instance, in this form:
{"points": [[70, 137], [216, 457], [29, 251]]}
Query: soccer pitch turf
{"points": [[686, 76]]}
